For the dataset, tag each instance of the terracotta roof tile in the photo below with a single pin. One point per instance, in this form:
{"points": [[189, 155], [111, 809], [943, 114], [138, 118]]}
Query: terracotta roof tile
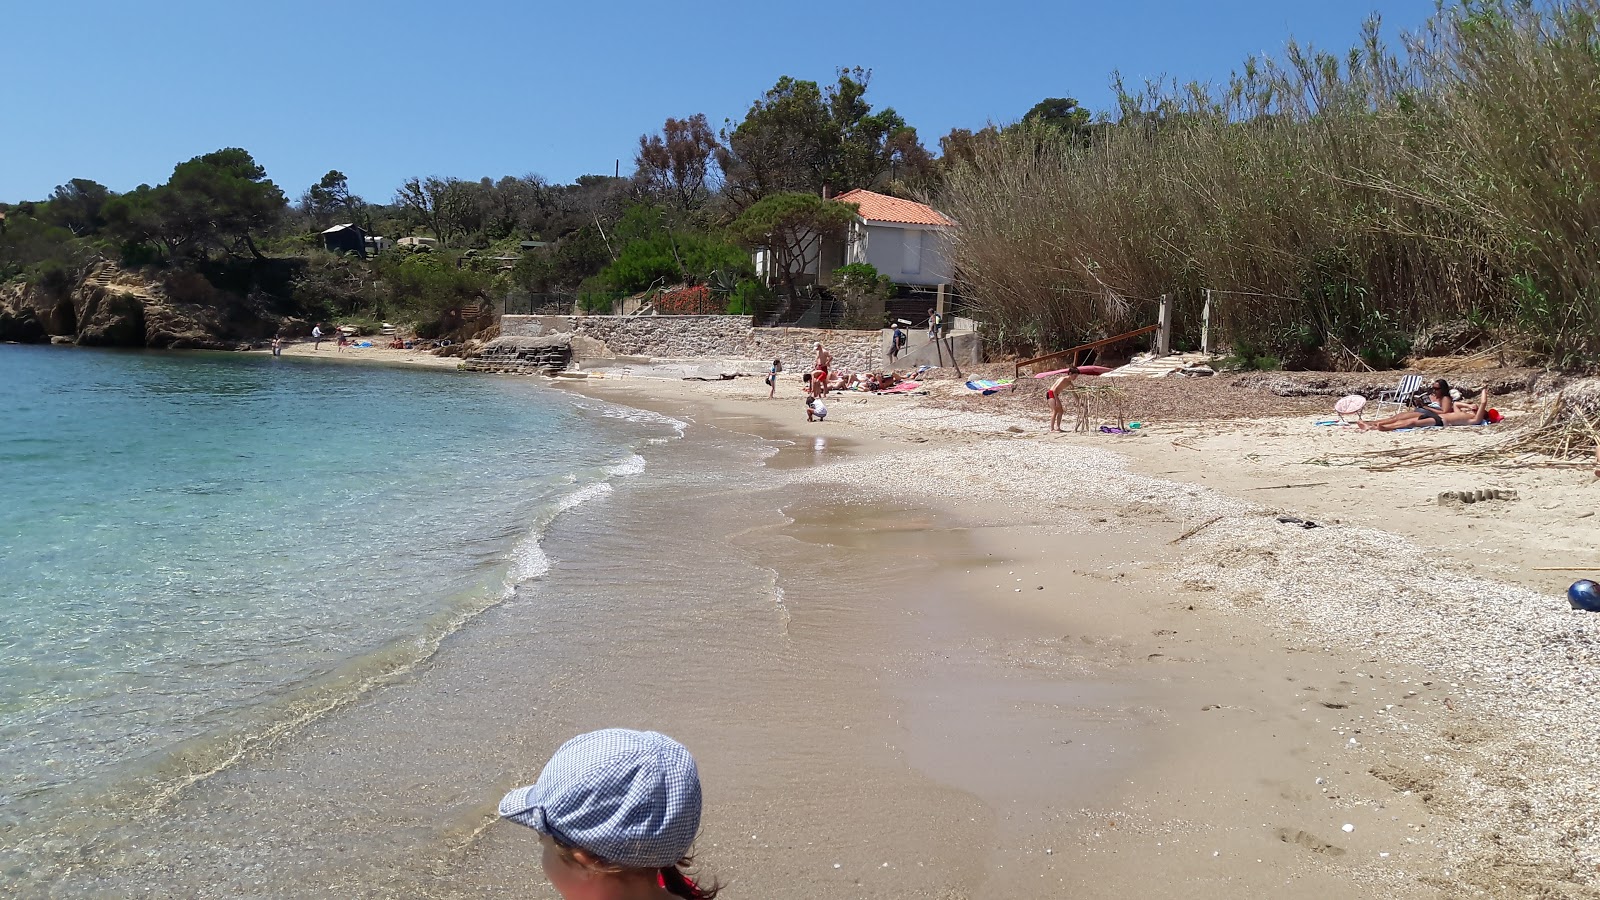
{"points": [[883, 208]]}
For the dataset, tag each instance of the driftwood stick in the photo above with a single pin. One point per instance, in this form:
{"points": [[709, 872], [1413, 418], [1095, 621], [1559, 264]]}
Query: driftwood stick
{"points": [[1196, 530], [1593, 568], [1275, 487]]}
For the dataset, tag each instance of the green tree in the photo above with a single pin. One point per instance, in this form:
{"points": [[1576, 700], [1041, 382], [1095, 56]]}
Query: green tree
{"points": [[79, 206], [792, 227], [782, 145], [800, 138], [330, 199], [222, 200]]}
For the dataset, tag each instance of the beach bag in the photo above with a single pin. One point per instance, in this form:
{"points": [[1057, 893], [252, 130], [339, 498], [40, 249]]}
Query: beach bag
{"points": [[768, 380]]}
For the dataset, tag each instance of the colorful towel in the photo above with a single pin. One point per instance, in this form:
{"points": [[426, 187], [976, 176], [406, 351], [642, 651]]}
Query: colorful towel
{"points": [[902, 388], [989, 387]]}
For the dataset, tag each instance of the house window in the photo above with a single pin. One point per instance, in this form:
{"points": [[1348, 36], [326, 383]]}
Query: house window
{"points": [[912, 265]]}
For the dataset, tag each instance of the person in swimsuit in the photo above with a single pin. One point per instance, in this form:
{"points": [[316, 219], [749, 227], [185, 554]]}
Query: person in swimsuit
{"points": [[772, 378], [1053, 397], [1447, 413], [617, 812], [820, 368]]}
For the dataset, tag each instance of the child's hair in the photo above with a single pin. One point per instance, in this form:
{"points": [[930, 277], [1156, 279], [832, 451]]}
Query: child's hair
{"points": [[673, 878], [810, 400], [1072, 370]]}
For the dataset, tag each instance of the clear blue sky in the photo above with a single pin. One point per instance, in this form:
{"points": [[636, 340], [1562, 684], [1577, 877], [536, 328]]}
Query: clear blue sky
{"points": [[120, 91]]}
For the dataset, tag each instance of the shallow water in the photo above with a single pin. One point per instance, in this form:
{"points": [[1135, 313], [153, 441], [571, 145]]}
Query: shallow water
{"points": [[200, 549]]}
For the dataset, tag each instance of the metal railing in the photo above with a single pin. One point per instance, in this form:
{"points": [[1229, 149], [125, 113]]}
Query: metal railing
{"points": [[1092, 345]]}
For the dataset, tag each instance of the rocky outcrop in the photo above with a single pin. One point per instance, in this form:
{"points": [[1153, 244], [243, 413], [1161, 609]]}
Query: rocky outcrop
{"points": [[20, 319], [113, 308], [523, 356], [109, 318]]}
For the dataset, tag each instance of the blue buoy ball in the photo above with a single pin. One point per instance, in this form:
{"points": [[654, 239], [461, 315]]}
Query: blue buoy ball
{"points": [[1584, 595]]}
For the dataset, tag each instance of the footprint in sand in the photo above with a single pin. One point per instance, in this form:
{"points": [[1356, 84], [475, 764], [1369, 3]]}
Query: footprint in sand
{"points": [[1309, 841]]}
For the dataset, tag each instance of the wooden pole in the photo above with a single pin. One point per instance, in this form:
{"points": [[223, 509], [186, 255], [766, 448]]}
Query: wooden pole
{"points": [[1205, 324], [1164, 333]]}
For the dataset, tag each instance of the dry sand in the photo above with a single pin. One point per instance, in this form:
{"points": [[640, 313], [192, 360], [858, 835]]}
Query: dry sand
{"points": [[330, 352], [1390, 704]]}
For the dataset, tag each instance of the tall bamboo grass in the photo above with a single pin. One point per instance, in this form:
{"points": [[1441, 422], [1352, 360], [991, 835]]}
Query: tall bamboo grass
{"points": [[1339, 205]]}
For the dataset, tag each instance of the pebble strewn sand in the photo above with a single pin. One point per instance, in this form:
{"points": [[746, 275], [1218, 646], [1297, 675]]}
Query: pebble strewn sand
{"points": [[1518, 777]]}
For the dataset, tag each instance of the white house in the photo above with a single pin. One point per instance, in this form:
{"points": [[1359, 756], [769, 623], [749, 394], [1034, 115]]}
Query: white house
{"points": [[907, 241]]}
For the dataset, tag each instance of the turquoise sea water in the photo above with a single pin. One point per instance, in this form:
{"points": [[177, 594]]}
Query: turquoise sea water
{"points": [[198, 549]]}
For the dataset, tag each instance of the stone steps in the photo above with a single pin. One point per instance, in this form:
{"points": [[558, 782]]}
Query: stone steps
{"points": [[522, 356]]}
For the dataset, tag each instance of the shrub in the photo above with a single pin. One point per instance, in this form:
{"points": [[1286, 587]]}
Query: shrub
{"points": [[750, 298], [690, 301], [862, 291]]}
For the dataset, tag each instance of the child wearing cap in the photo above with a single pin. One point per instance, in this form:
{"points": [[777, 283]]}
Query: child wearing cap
{"points": [[617, 812]]}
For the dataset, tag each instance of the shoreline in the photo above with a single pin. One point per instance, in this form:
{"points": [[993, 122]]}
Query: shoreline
{"points": [[1433, 706], [1006, 664], [374, 354]]}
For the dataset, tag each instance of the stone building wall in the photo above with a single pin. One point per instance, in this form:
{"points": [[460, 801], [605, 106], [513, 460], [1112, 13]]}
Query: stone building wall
{"points": [[692, 337]]}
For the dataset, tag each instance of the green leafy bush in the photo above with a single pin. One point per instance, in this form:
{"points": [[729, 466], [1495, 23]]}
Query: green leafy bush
{"points": [[750, 298]]}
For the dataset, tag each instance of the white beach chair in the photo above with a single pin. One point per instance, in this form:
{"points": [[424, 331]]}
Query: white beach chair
{"points": [[1409, 384]]}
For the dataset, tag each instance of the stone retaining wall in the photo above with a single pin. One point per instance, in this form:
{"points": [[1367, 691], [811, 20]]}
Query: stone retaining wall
{"points": [[691, 337]]}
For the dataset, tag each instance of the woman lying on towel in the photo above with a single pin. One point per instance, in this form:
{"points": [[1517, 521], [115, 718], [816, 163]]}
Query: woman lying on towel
{"points": [[1446, 414]]}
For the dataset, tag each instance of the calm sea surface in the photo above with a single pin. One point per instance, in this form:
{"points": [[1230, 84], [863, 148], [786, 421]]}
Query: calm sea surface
{"points": [[198, 551]]}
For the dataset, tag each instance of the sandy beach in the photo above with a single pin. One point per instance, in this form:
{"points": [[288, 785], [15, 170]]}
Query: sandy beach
{"points": [[1394, 702], [330, 351], [926, 649]]}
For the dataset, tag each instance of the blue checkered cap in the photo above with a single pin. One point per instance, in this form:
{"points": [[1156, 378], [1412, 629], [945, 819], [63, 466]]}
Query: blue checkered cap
{"points": [[631, 798]]}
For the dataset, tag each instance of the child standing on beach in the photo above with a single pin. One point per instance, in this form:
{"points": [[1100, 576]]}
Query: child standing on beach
{"points": [[617, 812], [772, 378], [1053, 397]]}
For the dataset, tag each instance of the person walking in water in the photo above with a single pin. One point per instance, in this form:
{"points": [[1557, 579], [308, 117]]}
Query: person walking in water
{"points": [[617, 812], [1053, 397], [277, 346], [316, 336]]}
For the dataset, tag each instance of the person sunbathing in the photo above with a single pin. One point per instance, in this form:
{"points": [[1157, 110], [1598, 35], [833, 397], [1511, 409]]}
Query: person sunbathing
{"points": [[1439, 404], [1428, 417]]}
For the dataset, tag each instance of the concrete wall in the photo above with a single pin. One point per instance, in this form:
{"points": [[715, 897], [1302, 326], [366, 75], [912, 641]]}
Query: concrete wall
{"points": [[692, 337], [961, 349]]}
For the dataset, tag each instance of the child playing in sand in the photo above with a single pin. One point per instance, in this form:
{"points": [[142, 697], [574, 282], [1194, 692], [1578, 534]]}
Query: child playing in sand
{"points": [[617, 812], [816, 410], [1053, 396]]}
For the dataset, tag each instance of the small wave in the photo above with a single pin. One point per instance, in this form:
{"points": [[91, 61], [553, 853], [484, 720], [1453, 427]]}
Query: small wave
{"points": [[633, 465], [629, 414]]}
